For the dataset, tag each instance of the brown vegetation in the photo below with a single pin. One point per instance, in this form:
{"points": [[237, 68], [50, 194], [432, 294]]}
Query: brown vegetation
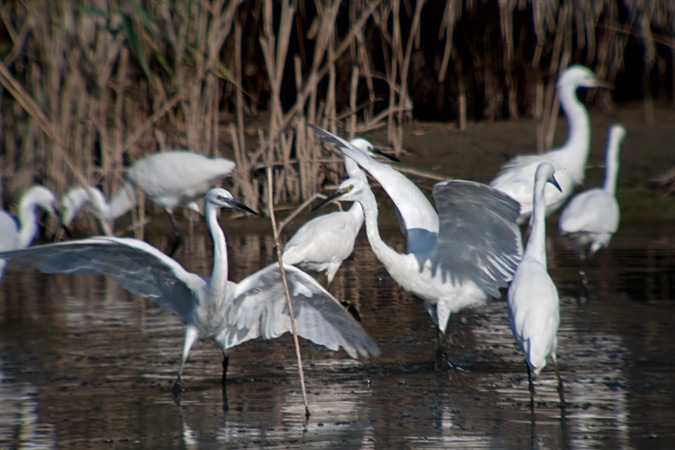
{"points": [[89, 86]]}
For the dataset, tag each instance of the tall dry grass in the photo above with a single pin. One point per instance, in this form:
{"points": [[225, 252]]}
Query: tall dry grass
{"points": [[88, 87]]}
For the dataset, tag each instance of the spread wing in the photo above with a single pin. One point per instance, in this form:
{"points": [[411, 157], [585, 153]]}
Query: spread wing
{"points": [[260, 309], [138, 267], [479, 238]]}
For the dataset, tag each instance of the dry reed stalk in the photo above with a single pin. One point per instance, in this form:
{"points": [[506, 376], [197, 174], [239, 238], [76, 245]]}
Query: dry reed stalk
{"points": [[279, 250]]}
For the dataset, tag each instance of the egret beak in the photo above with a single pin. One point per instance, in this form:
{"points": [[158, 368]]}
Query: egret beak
{"points": [[241, 207], [330, 198], [603, 84], [385, 155], [554, 182]]}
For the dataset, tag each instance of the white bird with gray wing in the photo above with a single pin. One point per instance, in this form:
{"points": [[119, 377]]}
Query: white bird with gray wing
{"points": [[212, 308]]}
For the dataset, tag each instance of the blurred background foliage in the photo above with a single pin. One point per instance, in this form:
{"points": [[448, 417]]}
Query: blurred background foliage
{"points": [[86, 87]]}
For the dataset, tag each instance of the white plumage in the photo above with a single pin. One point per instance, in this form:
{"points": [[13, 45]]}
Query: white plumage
{"points": [[516, 177], [212, 308], [533, 304]]}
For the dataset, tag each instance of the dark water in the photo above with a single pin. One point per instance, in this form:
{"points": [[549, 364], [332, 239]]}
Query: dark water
{"points": [[83, 364]]}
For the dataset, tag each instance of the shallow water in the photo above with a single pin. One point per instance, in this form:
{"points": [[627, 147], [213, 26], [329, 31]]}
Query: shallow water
{"points": [[83, 364]]}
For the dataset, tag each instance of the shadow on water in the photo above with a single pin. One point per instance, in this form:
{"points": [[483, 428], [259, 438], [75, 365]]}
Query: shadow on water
{"points": [[85, 364]]}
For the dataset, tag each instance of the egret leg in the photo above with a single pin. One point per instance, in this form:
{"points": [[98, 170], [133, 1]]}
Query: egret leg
{"points": [[191, 336], [531, 386], [177, 236], [583, 280], [226, 362], [561, 391]]}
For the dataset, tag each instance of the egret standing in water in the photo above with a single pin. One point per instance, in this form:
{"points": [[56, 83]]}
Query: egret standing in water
{"points": [[516, 177], [591, 218], [169, 179], [20, 233], [471, 255], [324, 242], [533, 304], [212, 308]]}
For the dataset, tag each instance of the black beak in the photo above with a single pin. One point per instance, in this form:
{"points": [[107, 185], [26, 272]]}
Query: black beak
{"points": [[554, 182], [333, 196], [240, 206], [385, 155]]}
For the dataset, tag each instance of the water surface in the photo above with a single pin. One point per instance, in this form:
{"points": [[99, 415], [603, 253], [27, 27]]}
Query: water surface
{"points": [[84, 364]]}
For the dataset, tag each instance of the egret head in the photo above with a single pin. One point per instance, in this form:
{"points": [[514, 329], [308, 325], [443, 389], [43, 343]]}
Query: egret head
{"points": [[221, 198], [546, 171], [577, 76], [349, 190]]}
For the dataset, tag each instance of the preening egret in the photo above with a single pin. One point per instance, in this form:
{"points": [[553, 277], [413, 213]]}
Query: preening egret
{"points": [[20, 234], [324, 242], [169, 179], [471, 251], [417, 217], [516, 177], [212, 308], [475, 254], [532, 299], [592, 217]]}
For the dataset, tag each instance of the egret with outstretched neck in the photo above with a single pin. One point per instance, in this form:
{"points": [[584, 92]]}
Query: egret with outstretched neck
{"points": [[212, 308], [532, 298], [466, 257], [516, 177], [168, 179]]}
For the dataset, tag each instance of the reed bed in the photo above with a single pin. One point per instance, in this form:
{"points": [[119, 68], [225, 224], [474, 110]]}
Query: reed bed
{"points": [[88, 87]]}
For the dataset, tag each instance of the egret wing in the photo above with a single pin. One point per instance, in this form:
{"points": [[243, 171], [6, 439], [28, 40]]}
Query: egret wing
{"points": [[479, 239], [138, 267], [259, 309]]}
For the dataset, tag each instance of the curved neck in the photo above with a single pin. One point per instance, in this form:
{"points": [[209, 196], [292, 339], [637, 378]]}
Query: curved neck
{"points": [[27, 224], [384, 253], [219, 273], [611, 164], [354, 171], [578, 137], [536, 243]]}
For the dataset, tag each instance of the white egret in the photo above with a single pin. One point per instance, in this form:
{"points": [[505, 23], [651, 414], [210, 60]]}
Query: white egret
{"points": [[169, 179], [456, 258], [532, 298], [592, 217], [212, 308], [324, 242], [20, 234], [516, 177], [475, 253], [417, 217]]}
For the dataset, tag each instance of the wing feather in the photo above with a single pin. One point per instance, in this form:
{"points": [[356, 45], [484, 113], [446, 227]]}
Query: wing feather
{"points": [[137, 266], [259, 309]]}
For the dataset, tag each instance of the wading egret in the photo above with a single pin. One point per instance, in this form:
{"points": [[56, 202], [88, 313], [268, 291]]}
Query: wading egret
{"points": [[592, 217], [532, 298], [456, 258], [516, 177], [20, 234], [475, 253], [169, 179], [324, 242], [212, 308]]}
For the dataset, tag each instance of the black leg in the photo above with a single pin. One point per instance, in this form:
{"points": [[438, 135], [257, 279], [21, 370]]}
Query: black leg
{"points": [[226, 362], [561, 390], [531, 386], [178, 237]]}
